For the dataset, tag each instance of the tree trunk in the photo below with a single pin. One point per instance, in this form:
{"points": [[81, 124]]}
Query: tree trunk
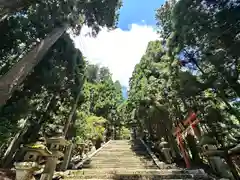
{"points": [[11, 6], [68, 151], [16, 75], [68, 122], [11, 3], [15, 5], [19, 137], [12, 148], [193, 148]]}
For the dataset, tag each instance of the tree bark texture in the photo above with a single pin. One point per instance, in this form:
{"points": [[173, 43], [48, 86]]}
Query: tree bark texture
{"points": [[16, 75]]}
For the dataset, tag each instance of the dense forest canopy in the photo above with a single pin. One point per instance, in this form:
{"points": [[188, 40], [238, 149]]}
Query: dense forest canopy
{"points": [[45, 82], [194, 67]]}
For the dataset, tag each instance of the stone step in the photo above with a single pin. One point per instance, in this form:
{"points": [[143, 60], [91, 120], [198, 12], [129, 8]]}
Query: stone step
{"points": [[123, 149], [117, 166], [109, 163], [127, 161], [116, 156], [138, 176], [136, 171], [114, 153], [120, 153], [112, 179], [119, 179], [120, 162], [125, 156], [123, 153], [120, 165]]}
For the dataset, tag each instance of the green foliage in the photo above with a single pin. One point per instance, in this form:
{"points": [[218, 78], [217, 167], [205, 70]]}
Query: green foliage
{"points": [[102, 95], [102, 102], [125, 133], [21, 31], [95, 125], [150, 97], [193, 68], [45, 98], [89, 127]]}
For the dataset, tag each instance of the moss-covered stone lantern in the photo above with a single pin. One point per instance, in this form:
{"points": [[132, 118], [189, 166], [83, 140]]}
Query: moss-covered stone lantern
{"points": [[215, 156], [32, 160], [57, 144]]}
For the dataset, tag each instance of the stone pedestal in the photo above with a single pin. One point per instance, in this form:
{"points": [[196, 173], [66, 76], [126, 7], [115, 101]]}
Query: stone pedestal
{"points": [[167, 155], [166, 150], [25, 170]]}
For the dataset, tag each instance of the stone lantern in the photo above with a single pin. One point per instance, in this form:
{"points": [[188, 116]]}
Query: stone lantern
{"points": [[215, 156], [165, 150], [81, 147], [57, 144], [86, 148], [90, 145], [31, 161]]}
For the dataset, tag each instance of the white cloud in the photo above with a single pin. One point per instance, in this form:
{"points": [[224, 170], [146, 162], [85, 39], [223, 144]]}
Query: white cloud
{"points": [[119, 50]]}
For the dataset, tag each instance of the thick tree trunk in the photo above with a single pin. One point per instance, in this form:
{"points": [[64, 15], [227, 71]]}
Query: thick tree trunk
{"points": [[68, 151], [68, 122], [193, 148], [11, 3], [15, 76], [10, 6]]}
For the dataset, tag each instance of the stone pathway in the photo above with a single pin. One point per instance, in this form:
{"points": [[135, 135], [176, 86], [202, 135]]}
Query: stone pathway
{"points": [[125, 160]]}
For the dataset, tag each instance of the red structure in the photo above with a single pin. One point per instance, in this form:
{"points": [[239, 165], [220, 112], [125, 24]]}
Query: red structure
{"points": [[183, 128], [178, 134], [192, 121]]}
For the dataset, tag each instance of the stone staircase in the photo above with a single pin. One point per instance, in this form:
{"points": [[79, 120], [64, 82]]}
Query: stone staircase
{"points": [[125, 160]]}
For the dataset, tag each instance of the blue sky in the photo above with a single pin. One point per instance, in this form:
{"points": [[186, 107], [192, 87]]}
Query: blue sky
{"points": [[122, 48], [134, 11]]}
